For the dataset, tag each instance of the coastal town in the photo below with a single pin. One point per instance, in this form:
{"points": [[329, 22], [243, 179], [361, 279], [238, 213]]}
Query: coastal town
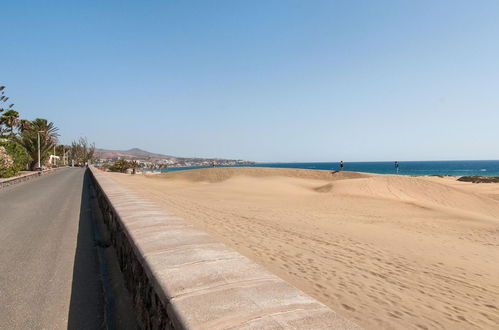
{"points": [[151, 161]]}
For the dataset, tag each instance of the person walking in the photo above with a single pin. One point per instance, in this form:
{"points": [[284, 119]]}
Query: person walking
{"points": [[341, 165], [397, 166]]}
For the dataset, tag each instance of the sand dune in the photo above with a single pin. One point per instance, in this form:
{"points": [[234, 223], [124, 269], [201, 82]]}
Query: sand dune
{"points": [[220, 174], [387, 251]]}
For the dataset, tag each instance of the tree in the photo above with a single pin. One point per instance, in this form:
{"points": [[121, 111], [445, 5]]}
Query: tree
{"points": [[28, 138], [10, 119], [121, 165], [63, 151], [133, 165], [23, 125], [13, 158], [81, 151], [4, 98], [6, 162]]}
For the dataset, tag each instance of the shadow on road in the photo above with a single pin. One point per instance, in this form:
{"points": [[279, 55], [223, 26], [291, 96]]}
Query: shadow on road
{"points": [[86, 310], [99, 299]]}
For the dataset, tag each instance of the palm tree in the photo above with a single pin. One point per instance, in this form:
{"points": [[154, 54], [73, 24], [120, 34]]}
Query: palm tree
{"points": [[134, 166], [23, 125], [10, 119], [121, 165], [29, 139]]}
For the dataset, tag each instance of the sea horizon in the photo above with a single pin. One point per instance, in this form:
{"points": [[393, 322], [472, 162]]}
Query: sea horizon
{"points": [[417, 168]]}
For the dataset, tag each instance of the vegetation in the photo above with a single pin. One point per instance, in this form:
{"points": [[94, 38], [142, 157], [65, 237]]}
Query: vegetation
{"points": [[3, 99], [13, 158], [11, 120], [47, 132], [19, 140], [134, 165], [81, 151], [121, 165], [6, 162], [479, 179]]}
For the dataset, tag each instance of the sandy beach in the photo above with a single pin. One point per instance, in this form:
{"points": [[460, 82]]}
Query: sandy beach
{"points": [[386, 251]]}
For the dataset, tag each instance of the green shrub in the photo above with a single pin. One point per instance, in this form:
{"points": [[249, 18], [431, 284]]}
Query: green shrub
{"points": [[13, 158], [120, 165], [479, 179]]}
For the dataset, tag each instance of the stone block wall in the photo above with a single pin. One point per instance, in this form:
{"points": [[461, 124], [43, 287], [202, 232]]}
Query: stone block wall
{"points": [[21, 178]]}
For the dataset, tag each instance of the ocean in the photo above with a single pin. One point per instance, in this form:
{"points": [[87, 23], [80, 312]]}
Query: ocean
{"points": [[455, 168]]}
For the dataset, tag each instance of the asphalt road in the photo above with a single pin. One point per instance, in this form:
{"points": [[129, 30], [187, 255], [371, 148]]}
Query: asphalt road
{"points": [[49, 270]]}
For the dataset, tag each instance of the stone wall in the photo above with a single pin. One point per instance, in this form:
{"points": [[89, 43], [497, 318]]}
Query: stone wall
{"points": [[25, 177], [182, 278]]}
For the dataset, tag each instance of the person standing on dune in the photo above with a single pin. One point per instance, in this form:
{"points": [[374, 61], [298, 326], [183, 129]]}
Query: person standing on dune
{"points": [[341, 165]]}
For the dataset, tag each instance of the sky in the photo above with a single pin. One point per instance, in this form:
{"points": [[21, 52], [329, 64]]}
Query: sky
{"points": [[276, 81]]}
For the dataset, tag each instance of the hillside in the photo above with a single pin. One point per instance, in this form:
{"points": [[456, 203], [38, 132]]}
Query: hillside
{"points": [[136, 153]]}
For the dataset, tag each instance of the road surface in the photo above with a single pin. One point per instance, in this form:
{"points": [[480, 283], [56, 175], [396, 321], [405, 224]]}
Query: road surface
{"points": [[49, 269]]}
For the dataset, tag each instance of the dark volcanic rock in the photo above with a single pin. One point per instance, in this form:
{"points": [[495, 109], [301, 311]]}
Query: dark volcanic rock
{"points": [[479, 179]]}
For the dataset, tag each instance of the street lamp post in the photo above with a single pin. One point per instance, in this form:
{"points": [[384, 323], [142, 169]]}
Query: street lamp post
{"points": [[39, 162]]}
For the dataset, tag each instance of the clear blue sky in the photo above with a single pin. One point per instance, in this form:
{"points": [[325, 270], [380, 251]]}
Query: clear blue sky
{"points": [[261, 80]]}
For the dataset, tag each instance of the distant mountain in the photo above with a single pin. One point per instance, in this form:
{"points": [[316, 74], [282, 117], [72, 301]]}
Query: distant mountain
{"points": [[134, 153]]}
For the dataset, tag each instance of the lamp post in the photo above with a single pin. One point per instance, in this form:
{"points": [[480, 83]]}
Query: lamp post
{"points": [[39, 162]]}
